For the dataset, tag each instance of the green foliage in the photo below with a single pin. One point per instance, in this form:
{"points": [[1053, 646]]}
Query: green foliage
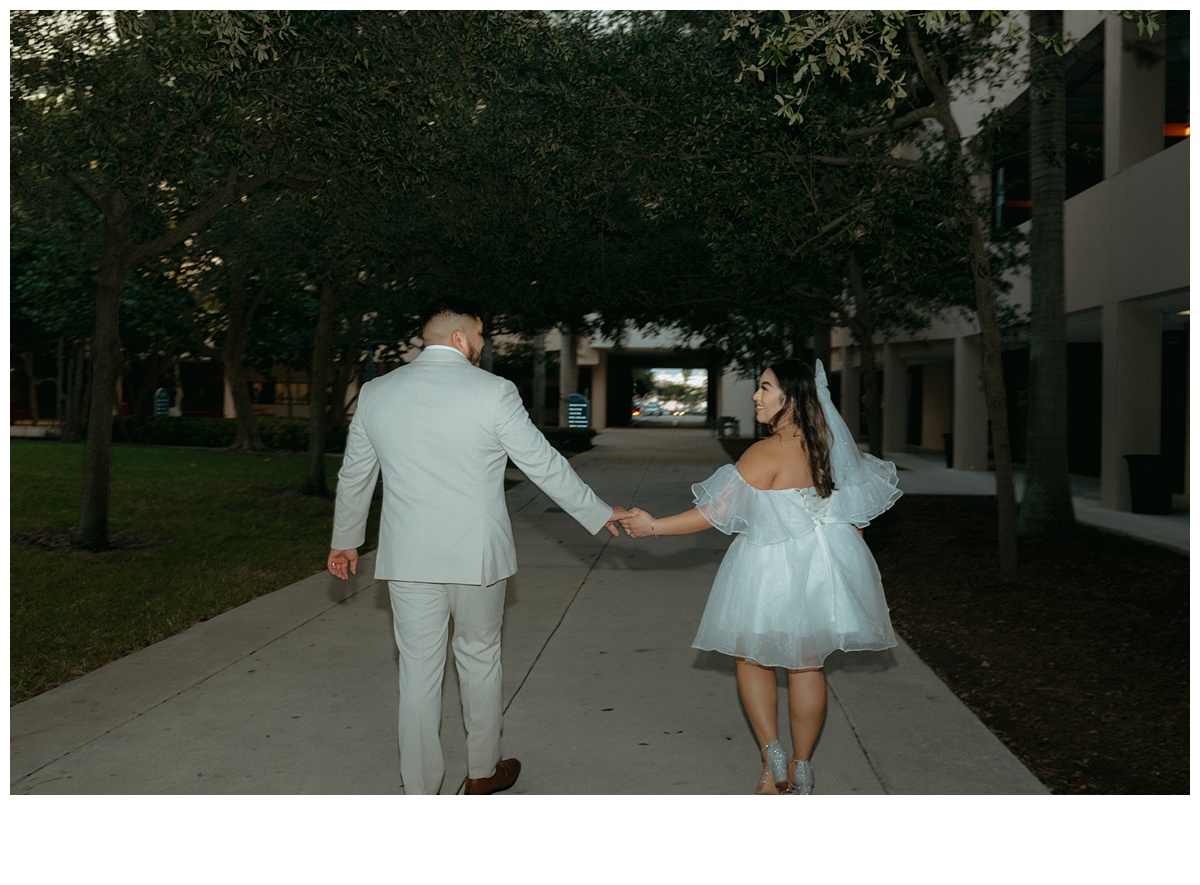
{"points": [[800, 51]]}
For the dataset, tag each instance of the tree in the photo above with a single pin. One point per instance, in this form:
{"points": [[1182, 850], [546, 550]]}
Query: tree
{"points": [[162, 119], [1046, 508], [52, 262], [751, 235], [121, 106], [940, 52]]}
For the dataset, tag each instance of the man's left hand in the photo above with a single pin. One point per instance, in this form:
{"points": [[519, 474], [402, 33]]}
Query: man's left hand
{"points": [[343, 563]]}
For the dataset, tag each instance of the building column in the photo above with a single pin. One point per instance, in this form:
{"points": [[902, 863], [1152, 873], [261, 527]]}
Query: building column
{"points": [[568, 372], [895, 396], [1131, 410], [598, 407], [1135, 85], [735, 399], [970, 406], [851, 405]]}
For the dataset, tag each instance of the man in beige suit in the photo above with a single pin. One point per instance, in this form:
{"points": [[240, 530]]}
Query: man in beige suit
{"points": [[441, 430]]}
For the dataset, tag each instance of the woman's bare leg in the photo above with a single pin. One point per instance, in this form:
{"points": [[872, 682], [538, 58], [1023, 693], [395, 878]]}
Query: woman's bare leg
{"points": [[806, 709], [760, 697]]}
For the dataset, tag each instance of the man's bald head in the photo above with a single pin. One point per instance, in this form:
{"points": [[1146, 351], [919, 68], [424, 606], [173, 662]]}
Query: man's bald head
{"points": [[441, 317], [456, 323]]}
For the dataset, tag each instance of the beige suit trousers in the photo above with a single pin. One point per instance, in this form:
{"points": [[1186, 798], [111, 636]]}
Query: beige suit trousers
{"points": [[421, 617]]}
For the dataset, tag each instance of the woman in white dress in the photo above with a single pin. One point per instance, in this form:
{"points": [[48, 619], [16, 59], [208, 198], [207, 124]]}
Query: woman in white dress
{"points": [[799, 580]]}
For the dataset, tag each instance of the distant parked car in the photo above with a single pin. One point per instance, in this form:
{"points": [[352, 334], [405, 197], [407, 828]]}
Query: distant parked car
{"points": [[652, 409]]}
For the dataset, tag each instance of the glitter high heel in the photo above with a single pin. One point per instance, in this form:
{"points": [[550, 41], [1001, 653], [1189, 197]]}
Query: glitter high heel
{"points": [[801, 783], [774, 768]]}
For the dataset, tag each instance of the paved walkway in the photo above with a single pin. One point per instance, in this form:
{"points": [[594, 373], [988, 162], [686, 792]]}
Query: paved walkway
{"points": [[294, 693]]}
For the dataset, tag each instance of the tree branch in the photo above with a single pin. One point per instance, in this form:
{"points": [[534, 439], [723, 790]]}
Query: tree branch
{"points": [[897, 162], [202, 215], [909, 119], [87, 190]]}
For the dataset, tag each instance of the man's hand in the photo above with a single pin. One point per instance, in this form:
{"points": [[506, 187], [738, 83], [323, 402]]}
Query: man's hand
{"points": [[618, 513], [638, 523], [343, 563]]}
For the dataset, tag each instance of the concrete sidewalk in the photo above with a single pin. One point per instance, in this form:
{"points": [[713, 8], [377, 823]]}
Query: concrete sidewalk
{"points": [[295, 692]]}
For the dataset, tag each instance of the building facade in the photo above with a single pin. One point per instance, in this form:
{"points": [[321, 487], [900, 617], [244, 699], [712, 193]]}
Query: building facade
{"points": [[1127, 257]]}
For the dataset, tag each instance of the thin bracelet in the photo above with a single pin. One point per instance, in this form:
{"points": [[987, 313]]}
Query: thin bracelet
{"points": [[653, 531]]}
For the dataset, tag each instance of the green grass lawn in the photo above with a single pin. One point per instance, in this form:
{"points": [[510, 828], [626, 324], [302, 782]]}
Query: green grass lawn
{"points": [[197, 531]]}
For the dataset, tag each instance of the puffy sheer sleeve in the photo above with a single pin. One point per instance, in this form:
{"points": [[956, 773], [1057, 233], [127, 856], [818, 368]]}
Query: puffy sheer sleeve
{"points": [[733, 505], [726, 500]]}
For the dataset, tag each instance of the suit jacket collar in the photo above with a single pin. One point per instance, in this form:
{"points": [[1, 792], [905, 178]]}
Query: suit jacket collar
{"points": [[441, 356]]}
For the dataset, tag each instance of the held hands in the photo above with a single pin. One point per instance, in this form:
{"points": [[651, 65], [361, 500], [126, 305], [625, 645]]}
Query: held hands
{"points": [[618, 513], [638, 524]]}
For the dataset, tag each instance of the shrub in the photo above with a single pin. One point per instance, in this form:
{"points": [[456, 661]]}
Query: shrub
{"points": [[221, 433]]}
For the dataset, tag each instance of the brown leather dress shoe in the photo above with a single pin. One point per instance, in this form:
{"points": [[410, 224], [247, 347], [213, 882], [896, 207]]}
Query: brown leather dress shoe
{"points": [[503, 778]]}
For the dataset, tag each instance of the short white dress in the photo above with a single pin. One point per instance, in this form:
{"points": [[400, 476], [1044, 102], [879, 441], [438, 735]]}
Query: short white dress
{"points": [[798, 582]]}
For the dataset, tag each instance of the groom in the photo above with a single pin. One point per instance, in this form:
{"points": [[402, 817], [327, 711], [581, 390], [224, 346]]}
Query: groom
{"points": [[441, 430]]}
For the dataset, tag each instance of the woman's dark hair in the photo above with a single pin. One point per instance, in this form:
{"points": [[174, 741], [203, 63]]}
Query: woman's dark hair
{"points": [[798, 384]]}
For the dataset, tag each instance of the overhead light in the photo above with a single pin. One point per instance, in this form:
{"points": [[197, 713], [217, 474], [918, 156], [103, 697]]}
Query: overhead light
{"points": [[1177, 130], [1184, 313]]}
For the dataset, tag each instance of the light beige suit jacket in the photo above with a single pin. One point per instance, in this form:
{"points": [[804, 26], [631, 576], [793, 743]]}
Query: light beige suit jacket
{"points": [[441, 431]]}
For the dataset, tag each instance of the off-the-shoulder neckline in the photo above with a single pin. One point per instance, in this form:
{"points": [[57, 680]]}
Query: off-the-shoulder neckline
{"points": [[757, 489]]}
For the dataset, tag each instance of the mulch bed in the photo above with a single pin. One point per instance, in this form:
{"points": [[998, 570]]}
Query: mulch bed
{"points": [[1082, 669]]}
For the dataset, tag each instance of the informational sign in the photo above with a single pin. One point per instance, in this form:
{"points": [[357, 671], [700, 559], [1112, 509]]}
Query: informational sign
{"points": [[162, 402], [578, 411]]}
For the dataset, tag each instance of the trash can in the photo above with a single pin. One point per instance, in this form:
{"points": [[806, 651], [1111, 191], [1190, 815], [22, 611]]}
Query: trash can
{"points": [[727, 426], [1148, 484]]}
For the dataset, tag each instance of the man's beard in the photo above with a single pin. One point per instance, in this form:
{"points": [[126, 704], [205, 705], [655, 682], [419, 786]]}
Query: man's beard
{"points": [[474, 355]]}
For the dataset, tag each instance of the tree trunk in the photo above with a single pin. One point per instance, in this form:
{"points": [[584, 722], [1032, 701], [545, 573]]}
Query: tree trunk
{"points": [[32, 382], [1046, 508], [318, 398], [341, 376], [237, 324], [985, 308], [863, 327], [73, 386], [92, 532], [60, 387], [538, 397], [997, 400]]}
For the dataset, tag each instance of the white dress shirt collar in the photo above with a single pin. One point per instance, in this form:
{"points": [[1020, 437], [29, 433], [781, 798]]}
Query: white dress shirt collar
{"points": [[444, 347]]}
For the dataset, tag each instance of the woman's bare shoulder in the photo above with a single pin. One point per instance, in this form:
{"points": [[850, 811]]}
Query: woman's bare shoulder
{"points": [[759, 463]]}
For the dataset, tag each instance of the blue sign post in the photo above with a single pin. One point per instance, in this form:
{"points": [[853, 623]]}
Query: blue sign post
{"points": [[578, 411]]}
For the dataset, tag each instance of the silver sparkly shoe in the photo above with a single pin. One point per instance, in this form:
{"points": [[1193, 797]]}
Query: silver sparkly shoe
{"points": [[775, 760], [802, 779]]}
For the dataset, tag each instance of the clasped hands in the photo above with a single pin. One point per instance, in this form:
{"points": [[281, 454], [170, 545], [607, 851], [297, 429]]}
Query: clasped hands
{"points": [[636, 523]]}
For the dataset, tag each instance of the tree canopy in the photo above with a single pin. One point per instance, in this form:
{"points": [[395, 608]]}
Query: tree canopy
{"points": [[295, 183]]}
